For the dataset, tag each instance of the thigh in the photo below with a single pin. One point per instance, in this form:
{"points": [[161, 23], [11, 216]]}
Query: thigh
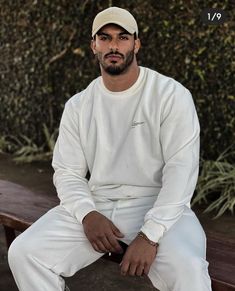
{"points": [[57, 241], [182, 250], [186, 236]]}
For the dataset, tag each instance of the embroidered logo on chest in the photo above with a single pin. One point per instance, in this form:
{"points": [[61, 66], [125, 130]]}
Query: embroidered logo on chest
{"points": [[137, 123]]}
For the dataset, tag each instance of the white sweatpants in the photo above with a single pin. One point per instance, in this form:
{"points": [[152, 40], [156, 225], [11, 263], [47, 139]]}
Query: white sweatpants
{"points": [[56, 246]]}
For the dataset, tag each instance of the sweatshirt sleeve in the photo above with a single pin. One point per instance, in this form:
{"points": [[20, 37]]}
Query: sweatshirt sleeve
{"points": [[71, 167], [179, 138]]}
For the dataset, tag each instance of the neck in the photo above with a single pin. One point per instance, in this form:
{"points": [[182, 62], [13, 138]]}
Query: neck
{"points": [[117, 83]]}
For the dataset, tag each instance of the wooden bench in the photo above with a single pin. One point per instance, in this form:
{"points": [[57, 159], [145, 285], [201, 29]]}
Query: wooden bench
{"points": [[20, 207]]}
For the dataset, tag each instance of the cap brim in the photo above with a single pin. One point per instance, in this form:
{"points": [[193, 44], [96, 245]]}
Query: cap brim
{"points": [[129, 29]]}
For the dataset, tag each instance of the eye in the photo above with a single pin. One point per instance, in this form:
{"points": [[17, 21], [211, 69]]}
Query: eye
{"points": [[123, 37], [103, 37]]}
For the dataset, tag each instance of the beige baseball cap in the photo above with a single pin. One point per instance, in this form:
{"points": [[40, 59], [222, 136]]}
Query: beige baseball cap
{"points": [[117, 16]]}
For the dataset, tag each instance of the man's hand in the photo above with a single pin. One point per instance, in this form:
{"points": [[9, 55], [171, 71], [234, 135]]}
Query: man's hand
{"points": [[102, 233], [138, 258]]}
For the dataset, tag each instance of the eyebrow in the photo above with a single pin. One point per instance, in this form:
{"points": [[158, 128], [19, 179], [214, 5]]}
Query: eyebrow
{"points": [[124, 32], [102, 33]]}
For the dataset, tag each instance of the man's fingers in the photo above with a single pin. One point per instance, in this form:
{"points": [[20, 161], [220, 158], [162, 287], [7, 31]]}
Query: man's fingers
{"points": [[101, 247], [116, 231], [124, 268], [140, 270], [132, 269], [115, 245], [146, 269], [105, 246], [108, 245], [95, 247]]}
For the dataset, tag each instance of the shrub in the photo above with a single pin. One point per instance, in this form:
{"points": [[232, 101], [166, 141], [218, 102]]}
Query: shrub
{"points": [[216, 184]]}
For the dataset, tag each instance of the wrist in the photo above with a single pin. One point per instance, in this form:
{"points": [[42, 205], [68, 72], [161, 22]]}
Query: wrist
{"points": [[144, 236], [153, 230], [89, 214]]}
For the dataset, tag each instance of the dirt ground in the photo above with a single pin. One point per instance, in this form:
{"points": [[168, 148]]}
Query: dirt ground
{"points": [[102, 275]]}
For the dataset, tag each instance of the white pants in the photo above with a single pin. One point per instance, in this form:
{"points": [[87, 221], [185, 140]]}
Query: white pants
{"points": [[56, 246]]}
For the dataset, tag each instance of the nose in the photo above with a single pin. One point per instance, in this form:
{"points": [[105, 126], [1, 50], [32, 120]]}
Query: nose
{"points": [[113, 45]]}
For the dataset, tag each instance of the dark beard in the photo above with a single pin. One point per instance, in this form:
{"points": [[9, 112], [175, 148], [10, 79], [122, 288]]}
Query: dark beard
{"points": [[117, 69]]}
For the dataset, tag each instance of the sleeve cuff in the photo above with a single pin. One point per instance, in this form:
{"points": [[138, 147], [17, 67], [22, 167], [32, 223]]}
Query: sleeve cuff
{"points": [[154, 231], [81, 213]]}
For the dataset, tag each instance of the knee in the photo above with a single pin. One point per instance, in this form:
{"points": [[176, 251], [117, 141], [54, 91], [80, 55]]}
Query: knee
{"points": [[18, 252], [190, 264], [188, 272], [15, 252]]}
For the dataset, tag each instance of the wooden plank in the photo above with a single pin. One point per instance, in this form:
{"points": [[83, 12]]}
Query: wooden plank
{"points": [[20, 207], [221, 257], [9, 234], [12, 221], [218, 285]]}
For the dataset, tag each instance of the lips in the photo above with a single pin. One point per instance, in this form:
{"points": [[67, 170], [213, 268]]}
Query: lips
{"points": [[113, 57]]}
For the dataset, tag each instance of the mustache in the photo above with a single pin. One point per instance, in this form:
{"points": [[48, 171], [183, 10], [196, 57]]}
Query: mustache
{"points": [[111, 54]]}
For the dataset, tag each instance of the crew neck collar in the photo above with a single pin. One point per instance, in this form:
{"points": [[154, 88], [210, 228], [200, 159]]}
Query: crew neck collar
{"points": [[126, 92]]}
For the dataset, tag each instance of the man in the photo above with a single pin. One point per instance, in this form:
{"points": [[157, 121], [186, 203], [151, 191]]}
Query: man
{"points": [[137, 133]]}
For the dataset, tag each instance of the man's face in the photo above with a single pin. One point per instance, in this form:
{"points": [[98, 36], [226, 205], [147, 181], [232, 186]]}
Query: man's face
{"points": [[114, 48]]}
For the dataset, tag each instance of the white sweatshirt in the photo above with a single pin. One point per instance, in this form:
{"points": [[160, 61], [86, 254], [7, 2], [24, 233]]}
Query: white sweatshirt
{"points": [[143, 141]]}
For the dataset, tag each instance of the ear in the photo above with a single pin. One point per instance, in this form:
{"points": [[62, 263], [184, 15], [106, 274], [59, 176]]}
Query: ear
{"points": [[137, 45], [93, 46]]}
